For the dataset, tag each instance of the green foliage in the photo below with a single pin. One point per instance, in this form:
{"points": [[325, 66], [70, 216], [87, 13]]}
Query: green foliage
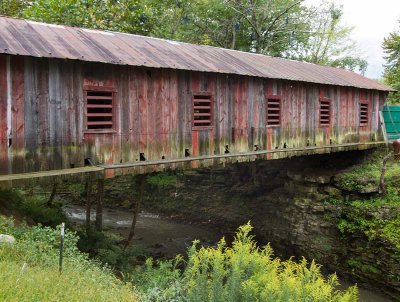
{"points": [[162, 179], [12, 8], [107, 249], [29, 269], [126, 16], [330, 43], [242, 272], [370, 225], [366, 175], [391, 47], [256, 26], [37, 245], [377, 219], [34, 207], [284, 28], [10, 198], [159, 281], [358, 265]]}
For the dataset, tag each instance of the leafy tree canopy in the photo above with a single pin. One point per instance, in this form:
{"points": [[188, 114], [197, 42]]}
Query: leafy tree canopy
{"points": [[283, 28], [391, 47], [12, 7]]}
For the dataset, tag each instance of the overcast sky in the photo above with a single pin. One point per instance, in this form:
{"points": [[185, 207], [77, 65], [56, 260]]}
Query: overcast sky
{"points": [[372, 21]]}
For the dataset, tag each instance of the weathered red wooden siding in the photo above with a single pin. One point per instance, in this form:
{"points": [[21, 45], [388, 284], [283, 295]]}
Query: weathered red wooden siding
{"points": [[3, 116], [153, 114], [17, 114]]}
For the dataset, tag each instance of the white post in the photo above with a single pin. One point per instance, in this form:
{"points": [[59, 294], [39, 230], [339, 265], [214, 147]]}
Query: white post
{"points": [[62, 244]]}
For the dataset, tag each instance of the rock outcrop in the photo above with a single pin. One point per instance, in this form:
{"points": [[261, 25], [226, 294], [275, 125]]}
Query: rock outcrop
{"points": [[6, 239]]}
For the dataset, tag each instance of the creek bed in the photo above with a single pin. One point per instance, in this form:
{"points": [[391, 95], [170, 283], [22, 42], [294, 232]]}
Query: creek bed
{"points": [[156, 234], [166, 237]]}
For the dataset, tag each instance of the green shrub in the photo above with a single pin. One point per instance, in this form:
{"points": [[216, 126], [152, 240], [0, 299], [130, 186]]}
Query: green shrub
{"points": [[162, 179], [365, 216], [161, 281], [242, 272], [34, 207], [359, 265], [107, 248], [366, 175], [9, 197]]}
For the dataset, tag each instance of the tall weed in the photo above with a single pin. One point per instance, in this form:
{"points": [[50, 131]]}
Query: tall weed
{"points": [[243, 272]]}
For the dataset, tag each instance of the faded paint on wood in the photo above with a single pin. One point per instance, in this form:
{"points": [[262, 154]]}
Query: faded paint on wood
{"points": [[18, 121], [153, 115], [3, 116]]}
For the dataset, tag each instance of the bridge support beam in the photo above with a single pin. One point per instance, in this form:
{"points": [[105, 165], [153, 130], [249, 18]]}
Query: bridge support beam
{"points": [[99, 204], [88, 190], [142, 182], [53, 193]]}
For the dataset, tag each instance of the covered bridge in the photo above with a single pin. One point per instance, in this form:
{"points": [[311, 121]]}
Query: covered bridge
{"points": [[73, 96]]}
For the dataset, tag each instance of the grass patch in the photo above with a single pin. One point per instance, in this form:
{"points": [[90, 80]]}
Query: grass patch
{"points": [[46, 284], [162, 180], [29, 269]]}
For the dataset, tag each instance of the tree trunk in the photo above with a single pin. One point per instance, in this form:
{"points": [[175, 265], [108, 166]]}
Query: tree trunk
{"points": [[233, 44], [142, 181], [53, 194], [382, 186], [99, 208], [88, 190]]}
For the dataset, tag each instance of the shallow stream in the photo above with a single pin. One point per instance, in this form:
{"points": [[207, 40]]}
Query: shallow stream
{"points": [[166, 237], [156, 234]]}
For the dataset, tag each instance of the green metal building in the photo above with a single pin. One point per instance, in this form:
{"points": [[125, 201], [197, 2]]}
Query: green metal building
{"points": [[391, 117]]}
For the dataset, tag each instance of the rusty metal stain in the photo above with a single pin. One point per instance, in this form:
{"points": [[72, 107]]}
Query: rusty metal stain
{"points": [[28, 38]]}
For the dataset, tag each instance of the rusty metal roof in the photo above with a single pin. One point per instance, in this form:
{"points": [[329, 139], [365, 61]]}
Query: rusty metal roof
{"points": [[29, 38]]}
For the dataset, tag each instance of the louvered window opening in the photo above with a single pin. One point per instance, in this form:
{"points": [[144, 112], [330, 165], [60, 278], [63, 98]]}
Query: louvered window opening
{"points": [[99, 110], [363, 114], [324, 112], [202, 111], [274, 111]]}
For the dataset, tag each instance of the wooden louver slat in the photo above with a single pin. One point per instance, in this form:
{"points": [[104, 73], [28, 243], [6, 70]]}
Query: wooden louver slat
{"points": [[324, 112], [202, 110], [364, 114], [274, 111], [99, 110]]}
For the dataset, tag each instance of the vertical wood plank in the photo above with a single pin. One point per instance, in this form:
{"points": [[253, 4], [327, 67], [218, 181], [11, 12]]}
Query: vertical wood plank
{"points": [[55, 120], [33, 129], [3, 116], [143, 113], [18, 125], [76, 116]]}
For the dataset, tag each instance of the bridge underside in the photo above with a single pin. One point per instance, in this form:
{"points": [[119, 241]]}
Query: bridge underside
{"points": [[192, 162]]}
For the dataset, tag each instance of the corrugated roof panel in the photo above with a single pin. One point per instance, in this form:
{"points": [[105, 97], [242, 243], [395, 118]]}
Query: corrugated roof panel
{"points": [[28, 38]]}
